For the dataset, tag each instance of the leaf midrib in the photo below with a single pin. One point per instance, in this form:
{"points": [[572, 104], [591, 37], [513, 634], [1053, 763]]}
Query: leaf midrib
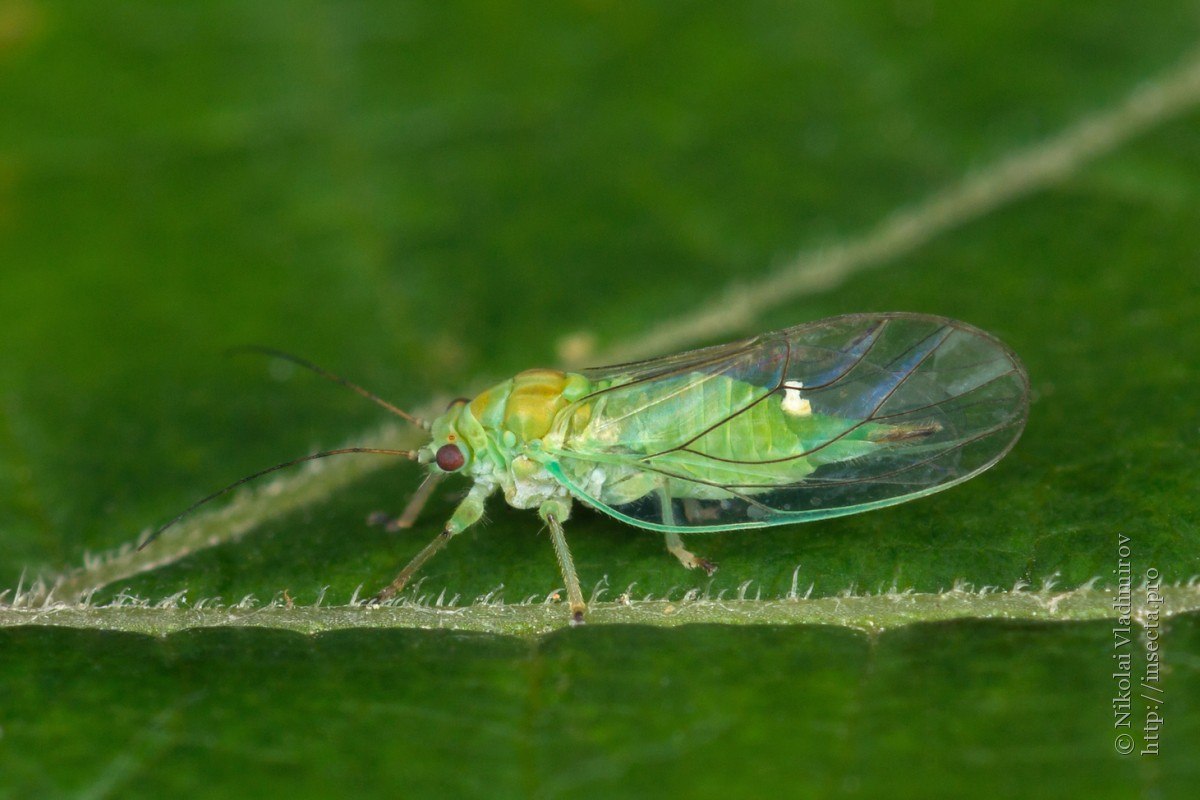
{"points": [[867, 613]]}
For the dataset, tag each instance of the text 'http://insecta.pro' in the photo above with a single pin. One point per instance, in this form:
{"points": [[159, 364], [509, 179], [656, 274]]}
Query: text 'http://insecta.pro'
{"points": [[820, 420]]}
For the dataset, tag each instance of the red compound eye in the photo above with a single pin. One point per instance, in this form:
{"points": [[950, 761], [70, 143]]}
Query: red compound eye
{"points": [[450, 458]]}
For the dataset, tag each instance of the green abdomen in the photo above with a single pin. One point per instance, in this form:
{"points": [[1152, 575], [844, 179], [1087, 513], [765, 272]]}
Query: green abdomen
{"points": [[718, 430]]}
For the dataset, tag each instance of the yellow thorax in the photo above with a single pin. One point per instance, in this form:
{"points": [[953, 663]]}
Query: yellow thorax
{"points": [[533, 399]]}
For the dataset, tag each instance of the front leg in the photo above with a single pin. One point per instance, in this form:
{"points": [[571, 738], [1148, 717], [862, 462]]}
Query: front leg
{"points": [[553, 511], [412, 510], [467, 514]]}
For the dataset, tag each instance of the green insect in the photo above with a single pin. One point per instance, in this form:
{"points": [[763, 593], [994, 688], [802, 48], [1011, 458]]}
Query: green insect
{"points": [[821, 420]]}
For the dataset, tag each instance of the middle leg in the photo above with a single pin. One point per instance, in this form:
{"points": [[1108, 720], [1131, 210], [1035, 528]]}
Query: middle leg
{"points": [[553, 512]]}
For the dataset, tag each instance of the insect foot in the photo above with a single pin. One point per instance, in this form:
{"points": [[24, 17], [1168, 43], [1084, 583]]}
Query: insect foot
{"points": [[686, 557], [379, 519], [420, 558]]}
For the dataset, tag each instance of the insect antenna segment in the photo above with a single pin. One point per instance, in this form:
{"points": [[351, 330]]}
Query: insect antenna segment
{"points": [[409, 454], [326, 374]]}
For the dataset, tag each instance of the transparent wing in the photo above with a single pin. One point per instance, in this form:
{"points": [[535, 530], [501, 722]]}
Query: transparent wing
{"points": [[816, 421], [664, 366]]}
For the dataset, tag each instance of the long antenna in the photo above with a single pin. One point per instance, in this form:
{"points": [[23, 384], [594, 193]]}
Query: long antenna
{"points": [[410, 454], [324, 373]]}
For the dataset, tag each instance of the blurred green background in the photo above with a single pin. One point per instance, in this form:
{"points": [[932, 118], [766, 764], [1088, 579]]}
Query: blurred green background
{"points": [[424, 196]]}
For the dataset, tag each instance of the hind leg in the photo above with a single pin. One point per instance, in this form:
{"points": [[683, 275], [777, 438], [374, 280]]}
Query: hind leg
{"points": [[675, 544], [687, 557]]}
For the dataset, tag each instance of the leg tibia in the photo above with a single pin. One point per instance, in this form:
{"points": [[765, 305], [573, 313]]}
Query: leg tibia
{"points": [[565, 562], [468, 512]]}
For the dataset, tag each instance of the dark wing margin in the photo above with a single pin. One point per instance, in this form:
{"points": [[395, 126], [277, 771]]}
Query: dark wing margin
{"points": [[907, 404]]}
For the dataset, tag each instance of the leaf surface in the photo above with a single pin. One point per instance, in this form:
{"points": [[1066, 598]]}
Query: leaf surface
{"points": [[424, 198]]}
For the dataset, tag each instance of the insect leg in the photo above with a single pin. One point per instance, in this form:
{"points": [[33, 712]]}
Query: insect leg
{"points": [[686, 557], [694, 512], [549, 512], [674, 543], [468, 513], [413, 509]]}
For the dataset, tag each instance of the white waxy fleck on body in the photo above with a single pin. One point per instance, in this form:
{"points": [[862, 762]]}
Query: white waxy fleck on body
{"points": [[793, 403]]}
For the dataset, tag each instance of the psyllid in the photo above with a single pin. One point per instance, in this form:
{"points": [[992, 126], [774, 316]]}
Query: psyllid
{"points": [[820, 420]]}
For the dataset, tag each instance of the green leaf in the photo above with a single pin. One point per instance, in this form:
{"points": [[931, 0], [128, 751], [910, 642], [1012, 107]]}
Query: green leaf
{"points": [[425, 198]]}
